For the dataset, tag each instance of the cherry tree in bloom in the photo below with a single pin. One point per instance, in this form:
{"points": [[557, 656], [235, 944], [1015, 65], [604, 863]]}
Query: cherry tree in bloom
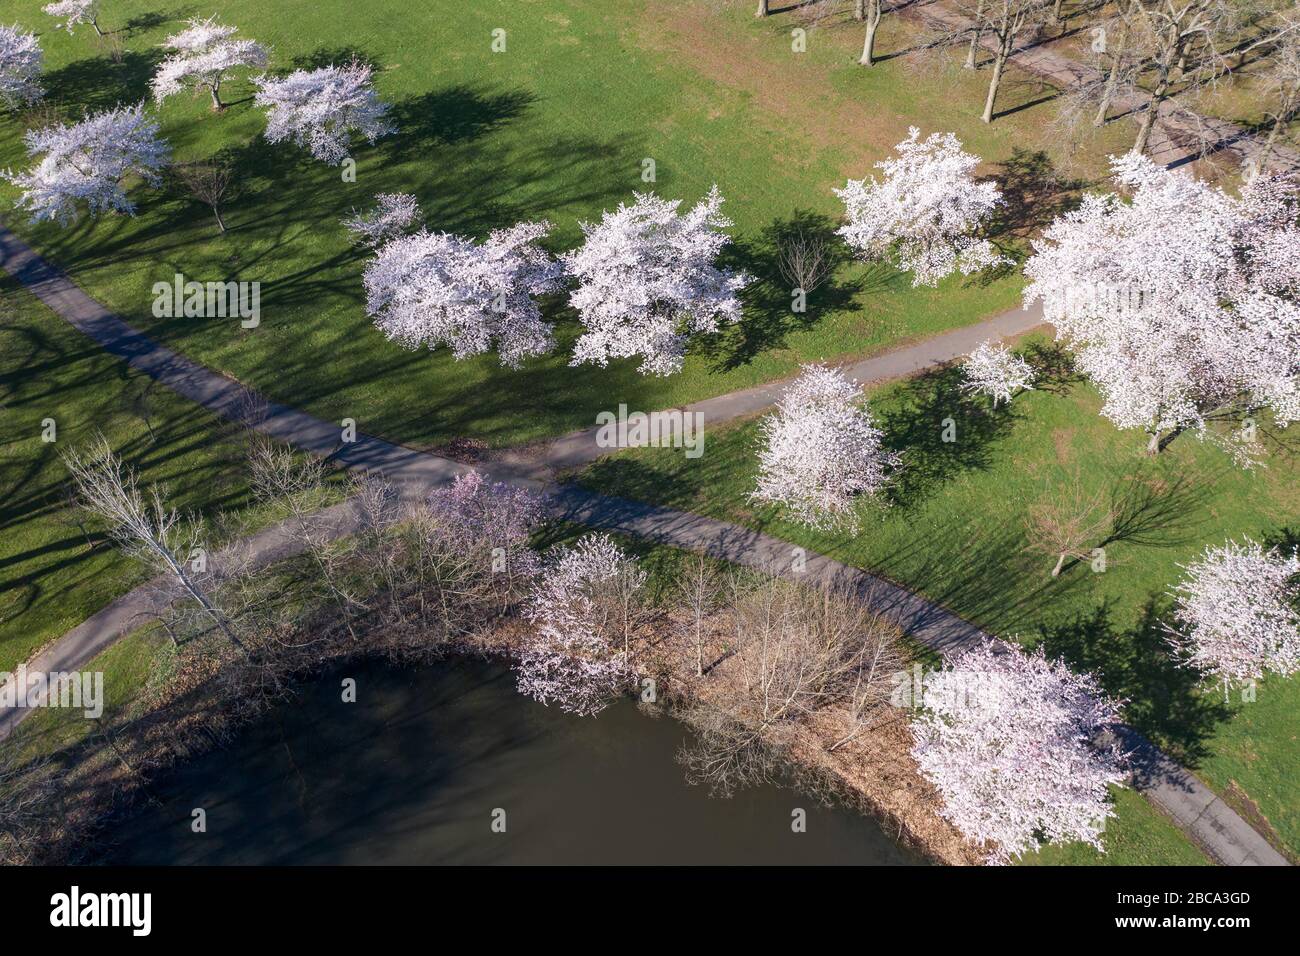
{"points": [[924, 213], [574, 660], [1237, 613], [647, 281], [320, 110], [20, 68], [996, 371], [73, 12], [89, 162], [480, 514], [393, 216], [432, 289], [202, 57], [1012, 741], [1180, 304], [821, 450]]}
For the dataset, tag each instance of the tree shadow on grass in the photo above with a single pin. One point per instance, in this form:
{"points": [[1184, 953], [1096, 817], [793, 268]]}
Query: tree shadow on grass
{"points": [[456, 114], [98, 83], [1166, 701], [1033, 195], [335, 56], [1053, 365], [771, 260], [940, 432]]}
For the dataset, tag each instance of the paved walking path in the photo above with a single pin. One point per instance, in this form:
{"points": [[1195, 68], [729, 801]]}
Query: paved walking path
{"points": [[1179, 135], [1195, 808]]}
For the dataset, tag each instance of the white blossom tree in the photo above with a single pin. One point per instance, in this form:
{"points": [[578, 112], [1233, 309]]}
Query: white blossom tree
{"points": [[202, 57], [821, 450], [320, 110], [89, 162], [393, 215], [923, 215], [1237, 613], [647, 280], [996, 371], [573, 659], [431, 289], [1014, 742], [73, 12], [20, 68], [1180, 304]]}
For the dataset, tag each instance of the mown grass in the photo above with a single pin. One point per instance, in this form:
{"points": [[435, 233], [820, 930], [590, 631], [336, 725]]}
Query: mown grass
{"points": [[556, 127], [955, 530], [56, 566]]}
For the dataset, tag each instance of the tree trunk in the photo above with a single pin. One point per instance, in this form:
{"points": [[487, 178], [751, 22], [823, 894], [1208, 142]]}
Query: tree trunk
{"points": [[1056, 12], [869, 43], [999, 63], [971, 53], [216, 211], [217, 105], [1060, 563], [858, 12], [1112, 80], [762, 9], [95, 23], [1149, 118], [1153, 445]]}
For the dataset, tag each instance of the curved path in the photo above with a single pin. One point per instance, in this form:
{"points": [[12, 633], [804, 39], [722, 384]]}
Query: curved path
{"points": [[1194, 807]]}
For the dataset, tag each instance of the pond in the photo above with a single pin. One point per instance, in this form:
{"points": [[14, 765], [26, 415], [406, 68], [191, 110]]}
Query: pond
{"points": [[416, 770]]}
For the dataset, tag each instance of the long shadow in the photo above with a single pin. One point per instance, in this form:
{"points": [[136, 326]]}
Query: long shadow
{"points": [[1033, 195], [769, 299], [100, 83], [455, 114], [1165, 701], [940, 432]]}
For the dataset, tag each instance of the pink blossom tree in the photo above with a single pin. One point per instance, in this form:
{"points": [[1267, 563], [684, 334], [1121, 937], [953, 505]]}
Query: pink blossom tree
{"points": [[924, 213], [996, 371], [320, 110], [648, 279], [1237, 613], [1015, 744], [574, 659], [20, 68], [821, 450], [89, 162], [394, 215], [74, 12], [202, 57], [431, 289], [1179, 304], [478, 514]]}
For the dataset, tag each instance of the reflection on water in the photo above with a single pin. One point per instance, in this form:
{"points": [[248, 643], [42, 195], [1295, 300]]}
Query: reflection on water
{"points": [[413, 771]]}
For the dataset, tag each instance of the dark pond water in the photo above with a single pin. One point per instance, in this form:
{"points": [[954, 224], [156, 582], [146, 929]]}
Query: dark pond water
{"points": [[412, 772]]}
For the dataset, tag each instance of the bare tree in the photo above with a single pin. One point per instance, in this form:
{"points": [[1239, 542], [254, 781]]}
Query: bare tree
{"points": [[1281, 81], [797, 650], [26, 792], [1006, 21], [294, 482], [698, 586], [143, 526], [1180, 40], [804, 259], [208, 182], [1067, 521]]}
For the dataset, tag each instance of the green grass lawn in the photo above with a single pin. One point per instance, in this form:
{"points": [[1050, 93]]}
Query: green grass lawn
{"points": [[556, 127], [955, 531], [55, 568]]}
